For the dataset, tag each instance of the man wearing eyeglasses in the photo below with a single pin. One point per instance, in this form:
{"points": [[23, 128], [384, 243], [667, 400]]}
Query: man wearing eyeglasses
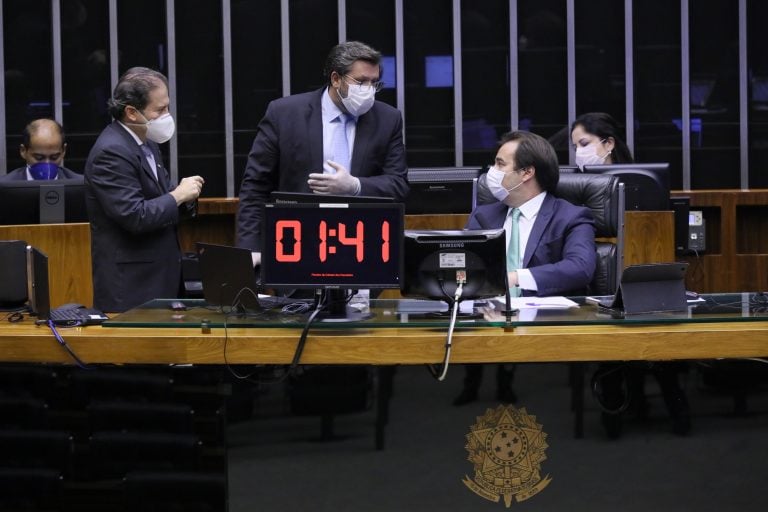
{"points": [[335, 140]]}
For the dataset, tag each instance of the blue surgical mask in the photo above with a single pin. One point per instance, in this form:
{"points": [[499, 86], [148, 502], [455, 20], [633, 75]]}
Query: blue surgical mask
{"points": [[44, 170]]}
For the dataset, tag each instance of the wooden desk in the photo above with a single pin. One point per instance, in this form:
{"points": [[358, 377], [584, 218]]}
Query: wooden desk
{"points": [[68, 247], [29, 343]]}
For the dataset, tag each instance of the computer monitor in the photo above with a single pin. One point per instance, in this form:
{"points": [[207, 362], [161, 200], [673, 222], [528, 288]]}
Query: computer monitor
{"points": [[436, 190], [332, 246], [434, 259], [42, 201], [646, 186]]}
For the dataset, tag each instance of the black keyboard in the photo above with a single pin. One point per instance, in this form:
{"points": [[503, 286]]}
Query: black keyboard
{"points": [[77, 316]]}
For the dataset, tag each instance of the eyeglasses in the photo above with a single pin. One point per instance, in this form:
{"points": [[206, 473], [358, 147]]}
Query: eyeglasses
{"points": [[366, 85]]}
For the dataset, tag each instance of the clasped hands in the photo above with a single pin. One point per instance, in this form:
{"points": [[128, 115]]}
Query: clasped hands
{"points": [[338, 183]]}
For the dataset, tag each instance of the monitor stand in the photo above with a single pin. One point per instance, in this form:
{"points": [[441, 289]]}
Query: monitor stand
{"points": [[338, 309]]}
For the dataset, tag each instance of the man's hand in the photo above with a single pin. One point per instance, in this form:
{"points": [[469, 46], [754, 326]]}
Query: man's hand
{"points": [[188, 190], [340, 183], [512, 276], [256, 258]]}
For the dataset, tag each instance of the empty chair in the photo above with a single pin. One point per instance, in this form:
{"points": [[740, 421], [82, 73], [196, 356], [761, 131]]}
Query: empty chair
{"points": [[175, 491], [36, 449], [23, 412], [113, 454], [140, 417], [30, 489], [131, 384]]}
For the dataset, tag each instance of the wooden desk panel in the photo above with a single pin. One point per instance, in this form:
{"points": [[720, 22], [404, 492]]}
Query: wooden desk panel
{"points": [[68, 247], [29, 343]]}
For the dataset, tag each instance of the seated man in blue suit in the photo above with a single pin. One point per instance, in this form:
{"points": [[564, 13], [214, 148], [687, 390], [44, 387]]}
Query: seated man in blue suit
{"points": [[551, 242], [43, 148]]}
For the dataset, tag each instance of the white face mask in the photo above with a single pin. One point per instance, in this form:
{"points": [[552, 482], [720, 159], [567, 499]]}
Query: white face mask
{"points": [[495, 177], [587, 155], [358, 101], [159, 130]]}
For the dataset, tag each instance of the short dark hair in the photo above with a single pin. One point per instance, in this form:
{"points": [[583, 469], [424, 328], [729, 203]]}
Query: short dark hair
{"points": [[343, 55], [535, 151], [133, 89], [31, 129], [602, 125]]}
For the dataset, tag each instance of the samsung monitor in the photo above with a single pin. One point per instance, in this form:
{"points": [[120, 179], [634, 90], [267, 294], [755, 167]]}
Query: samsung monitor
{"points": [[646, 186], [42, 201], [332, 246], [436, 260]]}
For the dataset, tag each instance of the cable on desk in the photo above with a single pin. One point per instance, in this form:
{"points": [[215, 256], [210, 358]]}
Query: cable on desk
{"points": [[321, 305], [64, 344], [440, 375]]}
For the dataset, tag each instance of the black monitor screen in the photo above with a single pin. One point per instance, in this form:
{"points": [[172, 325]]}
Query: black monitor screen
{"points": [[646, 186], [433, 259], [332, 245], [42, 201]]}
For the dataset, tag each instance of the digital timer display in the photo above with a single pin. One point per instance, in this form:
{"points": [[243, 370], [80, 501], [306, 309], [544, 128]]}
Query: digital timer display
{"points": [[345, 245]]}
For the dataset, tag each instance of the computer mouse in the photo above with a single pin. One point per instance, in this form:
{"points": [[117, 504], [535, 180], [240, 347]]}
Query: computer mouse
{"points": [[177, 305]]}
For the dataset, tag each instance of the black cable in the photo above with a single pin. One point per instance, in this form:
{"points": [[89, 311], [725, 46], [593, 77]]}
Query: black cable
{"points": [[64, 344], [296, 356]]}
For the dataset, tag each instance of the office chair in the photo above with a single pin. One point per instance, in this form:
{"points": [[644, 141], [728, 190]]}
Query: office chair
{"points": [[603, 194]]}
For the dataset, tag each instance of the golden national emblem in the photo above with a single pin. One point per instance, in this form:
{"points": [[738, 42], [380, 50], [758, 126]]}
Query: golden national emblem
{"points": [[506, 447]]}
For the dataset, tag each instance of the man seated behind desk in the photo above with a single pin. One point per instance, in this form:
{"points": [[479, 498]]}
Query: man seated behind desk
{"points": [[551, 242], [335, 140], [43, 148]]}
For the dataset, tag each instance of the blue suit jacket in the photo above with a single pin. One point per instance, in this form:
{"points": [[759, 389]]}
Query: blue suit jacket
{"points": [[561, 248], [289, 146], [134, 247]]}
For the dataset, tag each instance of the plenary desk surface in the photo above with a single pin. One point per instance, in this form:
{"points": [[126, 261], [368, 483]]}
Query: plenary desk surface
{"points": [[728, 326]]}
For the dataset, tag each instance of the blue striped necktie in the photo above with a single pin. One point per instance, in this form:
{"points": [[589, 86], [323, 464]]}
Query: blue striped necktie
{"points": [[340, 144]]}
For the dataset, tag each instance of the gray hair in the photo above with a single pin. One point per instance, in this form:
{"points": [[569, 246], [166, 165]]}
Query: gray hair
{"points": [[133, 89], [342, 56]]}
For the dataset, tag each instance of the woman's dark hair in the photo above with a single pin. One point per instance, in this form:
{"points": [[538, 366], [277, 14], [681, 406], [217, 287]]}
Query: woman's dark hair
{"points": [[604, 126], [133, 89]]}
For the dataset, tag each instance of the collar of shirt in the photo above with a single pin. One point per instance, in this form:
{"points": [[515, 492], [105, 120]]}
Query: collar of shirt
{"points": [[329, 108], [135, 137]]}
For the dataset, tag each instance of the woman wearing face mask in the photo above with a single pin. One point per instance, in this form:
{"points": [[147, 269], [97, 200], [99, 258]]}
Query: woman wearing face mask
{"points": [[598, 141]]}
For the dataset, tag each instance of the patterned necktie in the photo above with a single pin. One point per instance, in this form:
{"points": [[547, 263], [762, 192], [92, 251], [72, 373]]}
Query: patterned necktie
{"points": [[339, 143], [150, 158], [513, 249]]}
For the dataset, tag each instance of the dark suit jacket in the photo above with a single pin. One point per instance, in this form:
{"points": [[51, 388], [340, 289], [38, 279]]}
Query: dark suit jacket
{"points": [[135, 251], [21, 174], [561, 248], [289, 146]]}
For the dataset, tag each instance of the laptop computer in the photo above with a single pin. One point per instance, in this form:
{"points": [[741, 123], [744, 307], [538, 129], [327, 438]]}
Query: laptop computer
{"points": [[649, 288], [228, 277]]}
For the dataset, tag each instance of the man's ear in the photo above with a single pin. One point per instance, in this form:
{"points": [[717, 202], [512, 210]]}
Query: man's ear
{"points": [[63, 150], [23, 151]]}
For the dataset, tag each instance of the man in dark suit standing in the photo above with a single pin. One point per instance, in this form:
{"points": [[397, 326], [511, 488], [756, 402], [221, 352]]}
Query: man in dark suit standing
{"points": [[336, 140], [132, 206], [43, 148], [551, 242]]}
